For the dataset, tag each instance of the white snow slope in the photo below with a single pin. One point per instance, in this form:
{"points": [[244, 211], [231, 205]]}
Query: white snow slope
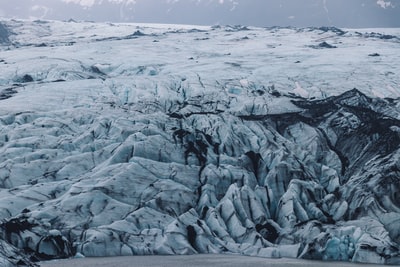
{"points": [[123, 139]]}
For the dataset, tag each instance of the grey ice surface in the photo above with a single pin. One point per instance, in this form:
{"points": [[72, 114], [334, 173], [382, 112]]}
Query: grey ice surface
{"points": [[194, 261]]}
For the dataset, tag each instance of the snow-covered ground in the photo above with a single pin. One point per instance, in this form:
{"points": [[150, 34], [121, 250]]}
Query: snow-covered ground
{"points": [[126, 139], [290, 59]]}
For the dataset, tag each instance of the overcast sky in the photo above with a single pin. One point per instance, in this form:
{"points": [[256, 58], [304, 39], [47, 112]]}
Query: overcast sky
{"points": [[340, 13]]}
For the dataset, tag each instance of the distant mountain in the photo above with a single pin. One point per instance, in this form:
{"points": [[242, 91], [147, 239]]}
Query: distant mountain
{"points": [[341, 13]]}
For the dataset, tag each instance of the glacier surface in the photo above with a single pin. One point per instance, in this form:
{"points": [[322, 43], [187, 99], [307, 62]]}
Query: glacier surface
{"points": [[133, 139]]}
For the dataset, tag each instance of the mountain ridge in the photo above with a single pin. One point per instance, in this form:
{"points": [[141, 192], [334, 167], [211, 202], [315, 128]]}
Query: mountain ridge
{"points": [[355, 14]]}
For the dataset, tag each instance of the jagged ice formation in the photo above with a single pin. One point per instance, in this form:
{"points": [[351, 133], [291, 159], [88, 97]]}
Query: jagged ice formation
{"points": [[157, 139]]}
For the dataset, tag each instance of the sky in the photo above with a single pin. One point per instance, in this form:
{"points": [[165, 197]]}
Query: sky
{"points": [[263, 13]]}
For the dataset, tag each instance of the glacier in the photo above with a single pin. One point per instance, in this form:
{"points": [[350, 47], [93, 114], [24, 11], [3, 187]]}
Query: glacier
{"points": [[143, 139]]}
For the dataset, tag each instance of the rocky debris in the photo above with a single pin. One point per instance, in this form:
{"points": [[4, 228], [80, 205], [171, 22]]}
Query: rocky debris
{"points": [[374, 55], [7, 93], [323, 45]]}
